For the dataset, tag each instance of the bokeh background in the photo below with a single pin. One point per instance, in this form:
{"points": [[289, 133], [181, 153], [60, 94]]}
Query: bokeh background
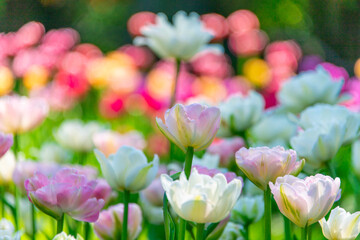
{"points": [[329, 28]]}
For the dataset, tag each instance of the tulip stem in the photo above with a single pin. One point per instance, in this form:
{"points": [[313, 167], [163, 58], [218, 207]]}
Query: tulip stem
{"points": [[16, 191], [246, 232], [287, 228], [304, 233], [2, 196], [177, 71], [267, 206], [188, 161], [125, 216], [33, 219], [200, 231], [182, 228], [87, 230], [60, 224]]}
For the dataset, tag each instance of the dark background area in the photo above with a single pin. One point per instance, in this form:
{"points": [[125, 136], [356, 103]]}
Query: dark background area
{"points": [[330, 28]]}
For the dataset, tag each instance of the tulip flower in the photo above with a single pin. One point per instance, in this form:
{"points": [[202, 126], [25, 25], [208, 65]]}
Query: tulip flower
{"points": [[76, 135], [232, 231], [6, 141], [19, 114], [341, 225], [67, 192], [64, 236], [110, 222], [305, 201], [263, 165], [7, 163], [226, 149], [102, 190], [248, 210], [201, 198], [240, 112], [7, 230], [307, 89]]}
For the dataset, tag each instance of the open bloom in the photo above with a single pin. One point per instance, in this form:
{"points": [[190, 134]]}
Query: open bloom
{"points": [[201, 198], [194, 125], [19, 114], [305, 201], [341, 225], [67, 192], [182, 40], [263, 164], [109, 224], [64, 236], [128, 169], [76, 135]]}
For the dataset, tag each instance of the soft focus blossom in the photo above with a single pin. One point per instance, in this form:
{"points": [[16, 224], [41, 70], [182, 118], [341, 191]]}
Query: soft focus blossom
{"points": [[6, 80], [102, 190], [212, 172], [7, 163], [337, 73], [341, 225], [352, 89], [173, 41], [242, 21], [20, 114], [108, 142], [272, 130], [355, 157], [232, 231], [194, 125], [128, 169], [305, 201], [240, 112], [6, 141], [77, 135], [52, 152], [248, 210], [142, 56], [64, 236], [211, 64], [137, 21], [263, 164], [283, 54], [309, 88], [154, 193], [207, 160], [35, 77], [201, 198], [7, 231], [257, 72], [226, 148], [248, 43], [309, 62], [217, 24], [109, 224], [67, 192]]}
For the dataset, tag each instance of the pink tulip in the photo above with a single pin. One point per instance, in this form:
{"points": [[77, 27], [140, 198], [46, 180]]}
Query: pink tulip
{"points": [[6, 141], [226, 148], [212, 172], [102, 190], [305, 201], [107, 226], [19, 114], [68, 192], [263, 164], [154, 193]]}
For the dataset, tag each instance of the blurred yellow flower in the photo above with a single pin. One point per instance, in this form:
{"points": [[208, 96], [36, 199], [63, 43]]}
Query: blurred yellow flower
{"points": [[257, 72], [357, 68], [35, 77], [6, 80]]}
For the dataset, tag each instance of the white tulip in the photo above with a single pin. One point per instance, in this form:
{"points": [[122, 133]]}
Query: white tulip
{"points": [[182, 40], [201, 198], [7, 231], [240, 112], [64, 236], [307, 89], [7, 163], [341, 225], [76, 135], [128, 169]]}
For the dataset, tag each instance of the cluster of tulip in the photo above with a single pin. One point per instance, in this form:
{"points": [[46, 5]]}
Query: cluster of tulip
{"points": [[235, 143]]}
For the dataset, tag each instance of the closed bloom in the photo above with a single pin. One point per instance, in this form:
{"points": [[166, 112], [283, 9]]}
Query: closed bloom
{"points": [[19, 114], [194, 125], [201, 198], [64, 236], [305, 201], [109, 224], [309, 88], [67, 192], [341, 225], [108, 142], [6, 141], [76, 135], [248, 209], [240, 112], [128, 169], [181, 41], [7, 163], [263, 164]]}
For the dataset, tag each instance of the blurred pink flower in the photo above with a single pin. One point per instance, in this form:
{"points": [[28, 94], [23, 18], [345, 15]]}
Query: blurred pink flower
{"points": [[242, 21], [102, 190], [211, 64], [212, 172], [111, 104], [108, 142], [59, 40], [352, 88], [154, 193], [88, 50], [68, 192], [247, 43], [226, 148], [142, 56], [217, 24], [28, 35], [6, 141], [138, 21], [337, 73], [107, 226], [157, 144], [283, 53], [76, 85], [20, 114]]}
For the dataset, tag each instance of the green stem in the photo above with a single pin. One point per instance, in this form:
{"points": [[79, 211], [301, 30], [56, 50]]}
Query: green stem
{"points": [[33, 219], [16, 191], [200, 231], [188, 161], [267, 206], [182, 228], [309, 232], [246, 231], [173, 93], [60, 224], [331, 168], [87, 230], [125, 216], [304, 233], [287, 228], [2, 196]]}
